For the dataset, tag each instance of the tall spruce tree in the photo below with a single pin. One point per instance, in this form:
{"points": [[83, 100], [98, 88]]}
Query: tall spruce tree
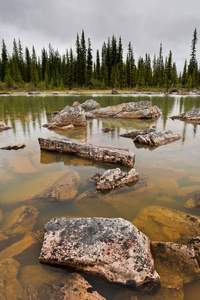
{"points": [[89, 64], [192, 63], [4, 60]]}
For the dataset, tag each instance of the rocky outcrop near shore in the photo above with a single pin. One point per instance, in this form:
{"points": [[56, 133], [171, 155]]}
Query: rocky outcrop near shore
{"points": [[191, 115], [68, 116], [89, 151], [112, 248], [3, 126], [155, 139], [131, 110], [114, 178]]}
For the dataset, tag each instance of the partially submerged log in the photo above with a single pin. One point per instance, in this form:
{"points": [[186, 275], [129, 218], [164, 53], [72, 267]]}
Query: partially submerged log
{"points": [[89, 151], [113, 248]]}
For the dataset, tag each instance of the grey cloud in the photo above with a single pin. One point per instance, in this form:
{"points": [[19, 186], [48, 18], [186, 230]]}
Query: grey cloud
{"points": [[145, 23]]}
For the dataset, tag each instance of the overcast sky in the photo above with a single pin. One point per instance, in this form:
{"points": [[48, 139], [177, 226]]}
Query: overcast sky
{"points": [[146, 23]]}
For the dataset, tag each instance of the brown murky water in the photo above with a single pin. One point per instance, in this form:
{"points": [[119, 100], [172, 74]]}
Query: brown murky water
{"points": [[170, 176]]}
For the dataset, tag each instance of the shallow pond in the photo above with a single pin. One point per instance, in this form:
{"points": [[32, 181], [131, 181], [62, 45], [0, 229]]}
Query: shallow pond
{"points": [[170, 174]]}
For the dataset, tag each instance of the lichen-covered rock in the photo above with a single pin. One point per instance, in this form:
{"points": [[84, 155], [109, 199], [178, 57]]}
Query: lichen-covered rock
{"points": [[131, 110], [20, 221], [14, 147], [179, 259], [67, 116], [194, 201], [90, 105], [68, 127], [3, 126], [155, 139], [76, 103], [191, 115], [89, 151], [164, 224], [113, 248], [113, 178]]}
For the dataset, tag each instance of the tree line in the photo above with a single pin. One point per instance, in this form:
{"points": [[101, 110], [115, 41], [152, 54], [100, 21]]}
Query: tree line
{"points": [[109, 68]]}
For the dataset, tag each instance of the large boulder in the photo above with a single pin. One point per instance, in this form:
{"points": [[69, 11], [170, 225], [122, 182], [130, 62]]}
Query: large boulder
{"points": [[113, 248], [191, 115], [155, 139], [69, 115], [90, 105], [113, 178], [131, 110], [3, 126]]}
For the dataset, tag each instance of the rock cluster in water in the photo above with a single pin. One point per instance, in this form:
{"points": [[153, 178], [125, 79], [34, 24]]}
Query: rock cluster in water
{"points": [[191, 115], [152, 138], [131, 110], [89, 151], [112, 248], [14, 147], [68, 116], [114, 178]]}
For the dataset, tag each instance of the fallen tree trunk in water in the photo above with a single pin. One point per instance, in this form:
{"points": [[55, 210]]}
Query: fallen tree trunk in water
{"points": [[89, 151]]}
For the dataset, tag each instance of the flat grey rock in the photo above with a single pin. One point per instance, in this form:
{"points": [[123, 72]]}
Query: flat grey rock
{"points": [[112, 248]]}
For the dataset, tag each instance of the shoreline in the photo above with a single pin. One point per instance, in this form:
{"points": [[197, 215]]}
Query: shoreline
{"points": [[100, 92]]}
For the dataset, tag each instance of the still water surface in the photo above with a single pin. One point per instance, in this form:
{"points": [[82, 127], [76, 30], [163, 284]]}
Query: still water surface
{"points": [[24, 173]]}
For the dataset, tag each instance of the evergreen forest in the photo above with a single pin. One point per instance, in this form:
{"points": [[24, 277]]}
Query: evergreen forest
{"points": [[107, 68]]}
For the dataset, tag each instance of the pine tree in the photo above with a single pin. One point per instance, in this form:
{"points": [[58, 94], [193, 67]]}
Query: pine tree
{"points": [[184, 75], [98, 68], [89, 64], [193, 54], [4, 60], [168, 71], [8, 78], [28, 65], [34, 71]]}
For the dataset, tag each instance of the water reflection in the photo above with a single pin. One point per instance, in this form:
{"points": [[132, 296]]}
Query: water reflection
{"points": [[170, 174]]}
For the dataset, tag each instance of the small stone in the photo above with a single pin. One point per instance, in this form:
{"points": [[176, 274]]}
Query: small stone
{"points": [[90, 105], [76, 103], [114, 92], [3, 126], [14, 147], [106, 129], [113, 178], [68, 127]]}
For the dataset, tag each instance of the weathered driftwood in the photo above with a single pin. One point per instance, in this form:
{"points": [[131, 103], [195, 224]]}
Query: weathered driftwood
{"points": [[113, 248], [89, 151]]}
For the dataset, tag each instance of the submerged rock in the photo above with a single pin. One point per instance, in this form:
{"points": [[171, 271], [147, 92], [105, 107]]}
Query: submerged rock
{"points": [[178, 259], [131, 110], [90, 105], [89, 151], [65, 189], [3, 126], [14, 147], [164, 224], [155, 139], [20, 221], [193, 201], [111, 179], [68, 116], [68, 127], [191, 115], [113, 248]]}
